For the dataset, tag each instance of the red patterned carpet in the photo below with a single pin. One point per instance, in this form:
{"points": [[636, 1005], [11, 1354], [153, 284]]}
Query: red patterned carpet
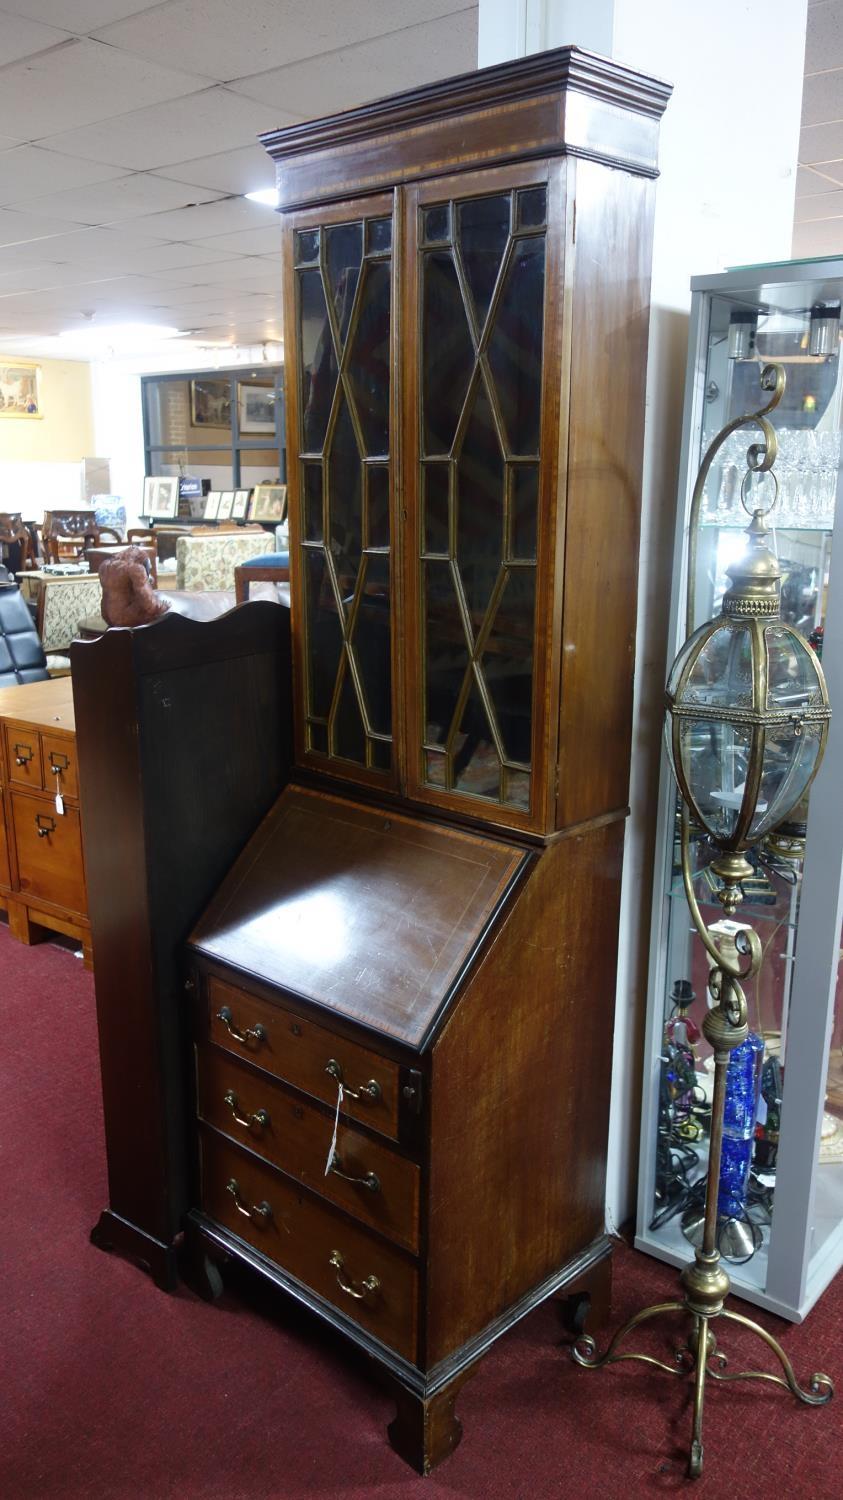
{"points": [[113, 1391]]}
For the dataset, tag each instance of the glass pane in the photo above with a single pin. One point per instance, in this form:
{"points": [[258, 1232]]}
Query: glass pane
{"points": [[215, 467], [480, 506], [436, 223], [312, 488], [377, 532], [346, 503], [715, 757], [483, 236], [378, 236], [381, 754], [434, 767], [477, 768], [317, 738], [436, 482], [318, 361], [343, 258], [722, 674], [306, 246], [349, 735], [786, 770], [324, 637], [371, 643], [447, 352], [368, 364], [531, 207], [188, 412], [791, 678], [446, 653], [517, 789], [259, 468], [524, 511], [515, 348], [507, 663]]}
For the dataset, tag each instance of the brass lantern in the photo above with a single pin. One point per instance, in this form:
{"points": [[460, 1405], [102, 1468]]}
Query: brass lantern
{"points": [[747, 711]]}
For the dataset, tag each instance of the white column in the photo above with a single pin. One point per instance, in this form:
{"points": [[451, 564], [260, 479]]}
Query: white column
{"points": [[728, 156]]}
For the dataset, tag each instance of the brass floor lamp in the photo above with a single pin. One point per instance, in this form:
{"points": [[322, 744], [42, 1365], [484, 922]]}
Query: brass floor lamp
{"points": [[747, 722]]}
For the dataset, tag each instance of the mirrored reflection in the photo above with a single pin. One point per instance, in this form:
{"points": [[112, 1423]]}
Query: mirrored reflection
{"points": [[343, 258], [483, 238], [515, 348], [318, 361], [368, 364], [447, 352]]}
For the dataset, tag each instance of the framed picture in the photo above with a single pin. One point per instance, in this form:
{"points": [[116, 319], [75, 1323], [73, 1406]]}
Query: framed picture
{"points": [[256, 407], [226, 502], [20, 394], [161, 499], [269, 502], [240, 508], [212, 505], [210, 403]]}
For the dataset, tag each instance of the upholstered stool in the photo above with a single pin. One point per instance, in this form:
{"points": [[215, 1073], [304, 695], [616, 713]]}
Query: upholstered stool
{"points": [[270, 567]]}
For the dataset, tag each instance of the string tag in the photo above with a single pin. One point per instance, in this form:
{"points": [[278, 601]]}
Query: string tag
{"points": [[59, 797], [333, 1146]]}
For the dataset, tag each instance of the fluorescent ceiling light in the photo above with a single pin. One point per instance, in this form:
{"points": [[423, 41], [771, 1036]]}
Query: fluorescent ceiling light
{"points": [[123, 333], [269, 196]]}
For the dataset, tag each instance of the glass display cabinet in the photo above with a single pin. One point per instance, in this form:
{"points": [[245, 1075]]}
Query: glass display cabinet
{"points": [[783, 1237]]}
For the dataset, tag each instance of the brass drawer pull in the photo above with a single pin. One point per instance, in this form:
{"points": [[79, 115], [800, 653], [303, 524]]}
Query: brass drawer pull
{"points": [[367, 1288], [259, 1213], [370, 1091], [22, 758], [45, 824], [59, 763], [258, 1121], [367, 1180], [253, 1036]]}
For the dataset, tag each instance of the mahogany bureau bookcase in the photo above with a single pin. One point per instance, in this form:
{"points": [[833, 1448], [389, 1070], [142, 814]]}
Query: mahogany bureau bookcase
{"points": [[401, 993]]}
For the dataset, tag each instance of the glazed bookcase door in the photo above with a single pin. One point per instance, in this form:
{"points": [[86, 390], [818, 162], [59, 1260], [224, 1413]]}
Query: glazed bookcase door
{"points": [[339, 277], [482, 290]]}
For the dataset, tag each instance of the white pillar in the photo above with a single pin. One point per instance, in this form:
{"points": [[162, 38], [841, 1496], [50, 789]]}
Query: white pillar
{"points": [[728, 154]]}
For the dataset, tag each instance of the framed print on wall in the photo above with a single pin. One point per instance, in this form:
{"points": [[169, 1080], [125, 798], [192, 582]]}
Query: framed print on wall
{"points": [[210, 403], [20, 390], [240, 508], [256, 407], [269, 502]]}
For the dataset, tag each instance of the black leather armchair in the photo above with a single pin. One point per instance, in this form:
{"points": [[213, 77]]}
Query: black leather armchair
{"points": [[22, 656]]}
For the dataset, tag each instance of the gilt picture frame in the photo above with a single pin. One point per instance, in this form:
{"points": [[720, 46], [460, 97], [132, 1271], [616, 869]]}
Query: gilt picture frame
{"points": [[20, 390]]}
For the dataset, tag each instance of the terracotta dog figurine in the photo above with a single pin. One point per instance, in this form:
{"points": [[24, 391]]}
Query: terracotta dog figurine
{"points": [[128, 597]]}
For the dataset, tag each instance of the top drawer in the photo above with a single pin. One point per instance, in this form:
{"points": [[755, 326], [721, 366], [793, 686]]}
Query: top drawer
{"points": [[305, 1055], [23, 756], [60, 765]]}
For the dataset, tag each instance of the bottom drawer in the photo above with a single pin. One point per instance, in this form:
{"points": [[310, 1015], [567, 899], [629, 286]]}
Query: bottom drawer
{"points": [[49, 849], [376, 1286]]}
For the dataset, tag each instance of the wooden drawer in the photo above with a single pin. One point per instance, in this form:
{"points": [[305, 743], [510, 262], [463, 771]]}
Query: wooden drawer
{"points": [[302, 1236], [60, 756], [49, 850], [296, 1137], [300, 1052], [23, 756]]}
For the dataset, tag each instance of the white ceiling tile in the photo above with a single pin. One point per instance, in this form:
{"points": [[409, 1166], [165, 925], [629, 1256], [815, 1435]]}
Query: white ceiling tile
{"points": [[79, 16], [370, 69], [824, 37], [239, 268], [249, 242], [95, 247], [241, 171], [822, 97], [27, 172], [122, 198], [20, 228], [821, 143], [819, 206], [813, 180], [22, 37], [45, 277], [225, 216], [823, 237], [80, 82], [226, 40], [210, 120]]}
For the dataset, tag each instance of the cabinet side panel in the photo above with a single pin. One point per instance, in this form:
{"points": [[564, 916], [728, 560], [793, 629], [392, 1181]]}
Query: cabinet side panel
{"points": [[611, 307], [520, 1094]]}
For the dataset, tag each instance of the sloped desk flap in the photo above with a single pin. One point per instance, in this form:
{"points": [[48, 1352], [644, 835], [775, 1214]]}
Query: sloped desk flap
{"points": [[372, 914]]}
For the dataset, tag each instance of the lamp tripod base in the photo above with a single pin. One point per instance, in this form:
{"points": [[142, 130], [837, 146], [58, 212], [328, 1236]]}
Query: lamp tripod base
{"points": [[700, 1357]]}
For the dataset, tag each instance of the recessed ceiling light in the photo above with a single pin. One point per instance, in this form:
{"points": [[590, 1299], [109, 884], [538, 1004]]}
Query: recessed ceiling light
{"points": [[269, 196], [123, 336]]}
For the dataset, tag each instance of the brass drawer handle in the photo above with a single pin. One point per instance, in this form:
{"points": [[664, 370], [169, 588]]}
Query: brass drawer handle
{"points": [[45, 824], [367, 1288], [253, 1036], [21, 759], [258, 1121], [370, 1091], [367, 1180], [259, 1213]]}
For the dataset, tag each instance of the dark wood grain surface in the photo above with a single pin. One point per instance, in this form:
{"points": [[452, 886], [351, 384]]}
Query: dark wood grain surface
{"points": [[368, 913]]}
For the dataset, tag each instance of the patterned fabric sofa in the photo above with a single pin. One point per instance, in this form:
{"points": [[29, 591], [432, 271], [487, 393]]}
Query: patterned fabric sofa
{"points": [[208, 562]]}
